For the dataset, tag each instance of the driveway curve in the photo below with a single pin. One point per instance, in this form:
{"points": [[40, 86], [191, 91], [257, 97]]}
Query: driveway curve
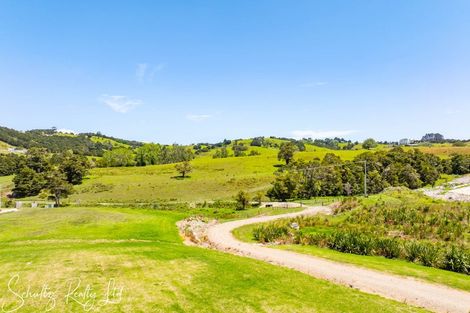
{"points": [[433, 297]]}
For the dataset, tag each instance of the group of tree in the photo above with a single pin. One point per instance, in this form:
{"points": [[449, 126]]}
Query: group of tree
{"points": [[243, 199], [206, 147], [331, 143], [52, 175], [332, 176], [11, 163], [148, 154], [239, 150]]}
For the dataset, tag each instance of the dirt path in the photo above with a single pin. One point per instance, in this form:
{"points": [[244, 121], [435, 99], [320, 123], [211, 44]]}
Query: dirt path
{"points": [[433, 297], [456, 190]]}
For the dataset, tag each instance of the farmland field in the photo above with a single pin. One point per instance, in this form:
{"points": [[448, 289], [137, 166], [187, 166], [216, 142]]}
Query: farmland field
{"points": [[140, 253]]}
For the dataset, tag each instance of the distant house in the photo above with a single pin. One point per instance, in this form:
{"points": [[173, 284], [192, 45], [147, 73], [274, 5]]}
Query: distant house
{"points": [[404, 142], [16, 150]]}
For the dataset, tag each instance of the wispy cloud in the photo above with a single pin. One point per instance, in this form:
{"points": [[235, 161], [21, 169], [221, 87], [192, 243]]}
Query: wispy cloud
{"points": [[313, 84], [314, 134], [453, 111], [145, 71], [198, 117], [141, 70], [120, 104]]}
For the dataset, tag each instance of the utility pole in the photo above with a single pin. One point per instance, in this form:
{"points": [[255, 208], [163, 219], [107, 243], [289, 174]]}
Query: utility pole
{"points": [[0, 196], [365, 178]]}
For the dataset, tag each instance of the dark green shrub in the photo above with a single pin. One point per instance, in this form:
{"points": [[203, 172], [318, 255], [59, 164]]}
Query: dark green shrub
{"points": [[270, 233], [352, 242], [429, 255], [456, 260], [389, 248], [412, 251]]}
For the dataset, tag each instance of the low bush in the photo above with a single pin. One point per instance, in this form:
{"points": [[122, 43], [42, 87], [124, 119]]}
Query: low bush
{"points": [[456, 260], [270, 233], [388, 247]]}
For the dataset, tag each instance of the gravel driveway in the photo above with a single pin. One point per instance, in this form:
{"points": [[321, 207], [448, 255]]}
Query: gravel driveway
{"points": [[433, 297]]}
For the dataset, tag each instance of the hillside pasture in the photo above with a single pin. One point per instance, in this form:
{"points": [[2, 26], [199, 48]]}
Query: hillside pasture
{"points": [[211, 179]]}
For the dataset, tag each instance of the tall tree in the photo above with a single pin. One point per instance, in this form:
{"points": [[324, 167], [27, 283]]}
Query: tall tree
{"points": [[369, 143], [242, 200], [286, 152], [58, 186]]}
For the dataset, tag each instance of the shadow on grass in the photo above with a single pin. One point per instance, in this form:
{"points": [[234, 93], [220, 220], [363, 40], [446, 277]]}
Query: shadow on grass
{"points": [[180, 177]]}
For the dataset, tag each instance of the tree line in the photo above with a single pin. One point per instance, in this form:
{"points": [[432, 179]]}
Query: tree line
{"points": [[147, 154], [55, 142], [332, 176]]}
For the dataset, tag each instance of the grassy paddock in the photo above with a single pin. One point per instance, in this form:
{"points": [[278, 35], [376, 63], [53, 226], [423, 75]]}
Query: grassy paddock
{"points": [[211, 178], [141, 250]]}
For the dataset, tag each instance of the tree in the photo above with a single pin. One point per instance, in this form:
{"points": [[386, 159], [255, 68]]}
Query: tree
{"points": [[28, 183], [258, 198], [148, 154], [58, 186], [184, 168], [369, 143], [38, 160], [284, 187], [242, 200], [74, 166], [239, 149], [460, 164], [220, 153], [118, 157], [286, 152]]}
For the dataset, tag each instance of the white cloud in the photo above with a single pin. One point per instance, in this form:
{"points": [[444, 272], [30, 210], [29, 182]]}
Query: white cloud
{"points": [[198, 117], [120, 104], [141, 70], [299, 134], [313, 84], [145, 71]]}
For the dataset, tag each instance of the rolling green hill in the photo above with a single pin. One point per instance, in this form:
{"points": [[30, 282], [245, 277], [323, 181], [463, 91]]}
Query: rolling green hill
{"points": [[54, 141], [211, 179]]}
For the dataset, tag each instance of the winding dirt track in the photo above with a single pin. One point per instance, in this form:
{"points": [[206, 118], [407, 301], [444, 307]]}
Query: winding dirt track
{"points": [[433, 297]]}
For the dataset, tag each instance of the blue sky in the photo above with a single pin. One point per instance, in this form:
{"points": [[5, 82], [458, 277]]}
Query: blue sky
{"points": [[196, 71]]}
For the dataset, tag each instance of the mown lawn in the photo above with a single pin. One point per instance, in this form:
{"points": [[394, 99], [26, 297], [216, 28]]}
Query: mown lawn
{"points": [[141, 252]]}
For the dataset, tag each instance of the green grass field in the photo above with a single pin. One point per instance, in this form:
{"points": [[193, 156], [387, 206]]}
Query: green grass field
{"points": [[111, 142], [211, 179], [6, 183], [4, 147], [70, 249]]}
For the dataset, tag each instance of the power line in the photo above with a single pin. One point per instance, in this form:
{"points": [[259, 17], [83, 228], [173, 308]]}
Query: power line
{"points": [[340, 165]]}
